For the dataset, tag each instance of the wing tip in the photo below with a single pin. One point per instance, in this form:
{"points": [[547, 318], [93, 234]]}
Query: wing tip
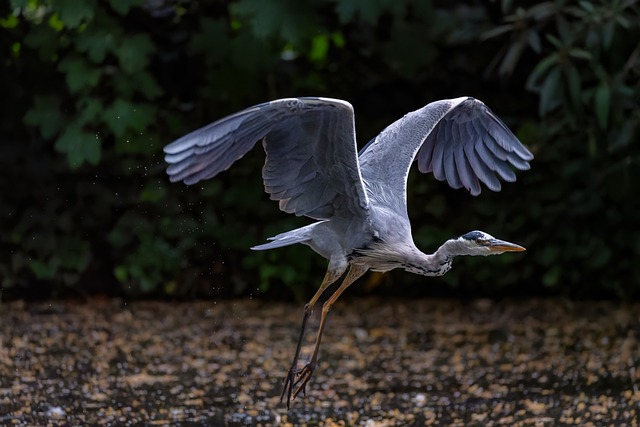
{"points": [[527, 156], [183, 143], [171, 148]]}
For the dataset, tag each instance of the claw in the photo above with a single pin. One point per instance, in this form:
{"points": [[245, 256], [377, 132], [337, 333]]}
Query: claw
{"points": [[288, 382], [304, 376]]}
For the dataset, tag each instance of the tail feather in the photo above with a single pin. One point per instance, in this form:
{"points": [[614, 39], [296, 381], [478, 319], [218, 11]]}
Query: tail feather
{"points": [[299, 235]]}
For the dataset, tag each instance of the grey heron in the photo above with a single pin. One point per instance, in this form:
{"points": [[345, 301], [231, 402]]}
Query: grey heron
{"points": [[358, 200]]}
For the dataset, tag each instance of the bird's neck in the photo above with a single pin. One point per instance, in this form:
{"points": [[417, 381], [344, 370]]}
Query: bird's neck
{"points": [[381, 257], [437, 263]]}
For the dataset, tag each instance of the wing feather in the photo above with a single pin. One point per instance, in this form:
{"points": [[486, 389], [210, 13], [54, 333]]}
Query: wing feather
{"points": [[459, 140], [311, 166], [437, 163], [481, 170]]}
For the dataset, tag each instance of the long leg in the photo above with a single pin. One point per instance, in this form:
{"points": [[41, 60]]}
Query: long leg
{"points": [[305, 374], [333, 273]]}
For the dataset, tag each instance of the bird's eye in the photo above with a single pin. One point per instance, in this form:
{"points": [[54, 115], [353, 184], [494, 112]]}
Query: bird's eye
{"points": [[483, 242]]}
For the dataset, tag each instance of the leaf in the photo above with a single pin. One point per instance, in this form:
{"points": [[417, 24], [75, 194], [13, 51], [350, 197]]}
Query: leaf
{"points": [[564, 32], [153, 192], [45, 114], [623, 136], [73, 12], [497, 31], [626, 90], [541, 11], [245, 54], [79, 74], [123, 115], [18, 4], [511, 57], [89, 110], [319, 47], [506, 5], [580, 54], [600, 71], [592, 39], [548, 256], [213, 33], [533, 39], [80, 146], [123, 6], [540, 69], [74, 254], [555, 41], [550, 91], [121, 273], [43, 270], [608, 32], [602, 102], [338, 39], [147, 85], [623, 21], [347, 10], [56, 23], [133, 53], [44, 39], [400, 50], [587, 6], [96, 43], [9, 22], [552, 277], [291, 20], [574, 83], [368, 10]]}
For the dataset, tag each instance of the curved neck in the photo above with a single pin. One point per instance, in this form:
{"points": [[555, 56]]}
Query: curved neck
{"points": [[437, 263], [383, 257]]}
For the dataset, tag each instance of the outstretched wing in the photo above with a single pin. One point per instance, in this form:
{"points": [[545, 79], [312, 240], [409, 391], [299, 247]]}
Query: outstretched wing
{"points": [[459, 140], [311, 166]]}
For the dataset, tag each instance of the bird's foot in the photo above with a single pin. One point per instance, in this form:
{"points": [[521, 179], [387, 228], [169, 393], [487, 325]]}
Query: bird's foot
{"points": [[304, 375], [288, 383]]}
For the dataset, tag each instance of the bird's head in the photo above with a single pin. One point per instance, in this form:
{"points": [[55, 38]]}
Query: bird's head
{"points": [[481, 243], [473, 243]]}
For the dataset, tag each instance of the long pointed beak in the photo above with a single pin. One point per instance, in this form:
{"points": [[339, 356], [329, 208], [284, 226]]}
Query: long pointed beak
{"points": [[502, 246]]}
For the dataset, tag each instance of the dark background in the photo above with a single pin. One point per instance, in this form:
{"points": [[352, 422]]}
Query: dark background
{"points": [[92, 91]]}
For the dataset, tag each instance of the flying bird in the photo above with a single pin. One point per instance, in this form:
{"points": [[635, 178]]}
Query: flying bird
{"points": [[357, 199]]}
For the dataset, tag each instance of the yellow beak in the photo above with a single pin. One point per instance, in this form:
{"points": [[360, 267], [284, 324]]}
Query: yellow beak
{"points": [[502, 246]]}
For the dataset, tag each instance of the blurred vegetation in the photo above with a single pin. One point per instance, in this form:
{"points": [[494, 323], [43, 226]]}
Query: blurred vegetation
{"points": [[93, 90]]}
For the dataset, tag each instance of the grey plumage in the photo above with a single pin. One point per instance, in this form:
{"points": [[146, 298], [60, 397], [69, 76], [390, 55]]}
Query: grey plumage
{"points": [[312, 168]]}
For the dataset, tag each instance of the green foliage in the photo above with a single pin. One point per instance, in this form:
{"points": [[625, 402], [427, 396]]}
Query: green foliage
{"points": [[93, 90], [585, 74], [148, 256], [368, 11], [291, 20], [80, 146]]}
